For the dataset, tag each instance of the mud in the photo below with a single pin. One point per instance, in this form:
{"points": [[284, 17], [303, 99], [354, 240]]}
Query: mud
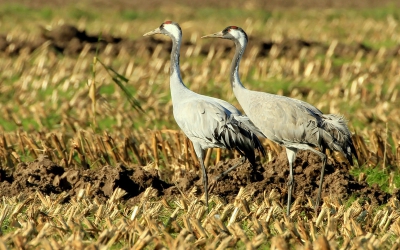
{"points": [[47, 177], [337, 182]]}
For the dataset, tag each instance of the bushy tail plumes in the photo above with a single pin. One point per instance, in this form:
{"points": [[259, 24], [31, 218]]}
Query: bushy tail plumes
{"points": [[336, 136], [241, 135]]}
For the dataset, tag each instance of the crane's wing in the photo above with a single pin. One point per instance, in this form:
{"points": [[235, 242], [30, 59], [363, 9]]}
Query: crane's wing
{"points": [[212, 125], [250, 125], [200, 119], [283, 120], [232, 109], [237, 114], [295, 123]]}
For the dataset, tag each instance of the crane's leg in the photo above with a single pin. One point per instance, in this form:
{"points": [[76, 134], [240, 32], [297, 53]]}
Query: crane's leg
{"points": [[215, 179], [323, 158], [231, 168], [200, 155], [205, 182], [291, 155], [320, 183]]}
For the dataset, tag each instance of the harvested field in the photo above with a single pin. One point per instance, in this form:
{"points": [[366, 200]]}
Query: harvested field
{"points": [[90, 156]]}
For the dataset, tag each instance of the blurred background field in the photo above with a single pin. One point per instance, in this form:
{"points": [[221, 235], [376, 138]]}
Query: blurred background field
{"points": [[61, 60], [312, 54]]}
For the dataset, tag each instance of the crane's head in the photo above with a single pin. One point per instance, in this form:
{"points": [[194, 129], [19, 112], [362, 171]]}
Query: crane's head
{"points": [[232, 33], [167, 28]]}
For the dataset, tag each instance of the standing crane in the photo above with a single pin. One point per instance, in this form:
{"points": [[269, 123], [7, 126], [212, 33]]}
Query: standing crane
{"points": [[208, 122], [292, 123]]}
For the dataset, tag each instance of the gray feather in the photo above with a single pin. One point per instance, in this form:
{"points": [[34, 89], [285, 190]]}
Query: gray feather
{"points": [[210, 124], [294, 123]]}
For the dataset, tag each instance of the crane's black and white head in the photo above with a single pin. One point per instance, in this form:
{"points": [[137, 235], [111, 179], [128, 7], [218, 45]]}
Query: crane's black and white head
{"points": [[167, 28], [232, 33]]}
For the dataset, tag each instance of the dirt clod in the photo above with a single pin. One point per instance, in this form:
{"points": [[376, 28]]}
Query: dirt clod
{"points": [[45, 176], [337, 180]]}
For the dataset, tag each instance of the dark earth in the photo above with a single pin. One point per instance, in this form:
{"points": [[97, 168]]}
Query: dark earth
{"points": [[69, 40], [45, 176]]}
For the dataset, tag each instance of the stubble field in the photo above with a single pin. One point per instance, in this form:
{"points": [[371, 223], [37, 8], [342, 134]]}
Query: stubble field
{"points": [[81, 165]]}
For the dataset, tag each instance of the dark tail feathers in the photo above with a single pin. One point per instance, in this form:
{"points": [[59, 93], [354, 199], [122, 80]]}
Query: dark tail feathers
{"points": [[336, 136], [237, 135]]}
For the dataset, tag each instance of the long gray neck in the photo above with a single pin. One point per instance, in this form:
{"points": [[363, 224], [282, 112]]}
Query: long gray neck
{"points": [[175, 80], [235, 80]]}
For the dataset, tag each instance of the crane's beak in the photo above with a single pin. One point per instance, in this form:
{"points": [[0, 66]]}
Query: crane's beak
{"points": [[215, 35], [156, 31]]}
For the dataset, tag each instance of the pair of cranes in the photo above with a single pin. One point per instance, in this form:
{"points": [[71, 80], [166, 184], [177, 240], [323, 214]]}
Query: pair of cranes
{"points": [[210, 122]]}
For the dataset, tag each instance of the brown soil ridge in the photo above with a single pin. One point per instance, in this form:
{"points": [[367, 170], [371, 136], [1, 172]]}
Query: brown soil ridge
{"points": [[69, 40], [47, 177], [337, 183]]}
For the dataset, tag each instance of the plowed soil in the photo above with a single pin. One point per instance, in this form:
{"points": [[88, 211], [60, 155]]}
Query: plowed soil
{"points": [[45, 176], [337, 182]]}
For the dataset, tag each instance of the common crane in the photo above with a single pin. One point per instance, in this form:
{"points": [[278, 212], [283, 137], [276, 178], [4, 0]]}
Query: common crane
{"points": [[292, 123], [208, 122]]}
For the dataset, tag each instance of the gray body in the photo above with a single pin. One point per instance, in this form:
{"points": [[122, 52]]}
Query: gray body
{"points": [[293, 123], [208, 122]]}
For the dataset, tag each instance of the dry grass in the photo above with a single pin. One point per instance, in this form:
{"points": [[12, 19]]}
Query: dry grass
{"points": [[61, 107], [44, 222]]}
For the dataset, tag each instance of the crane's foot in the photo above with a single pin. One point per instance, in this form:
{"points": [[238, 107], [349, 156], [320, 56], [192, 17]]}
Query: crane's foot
{"points": [[212, 183], [317, 208]]}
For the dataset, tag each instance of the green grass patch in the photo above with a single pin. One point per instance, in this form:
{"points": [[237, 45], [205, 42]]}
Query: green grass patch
{"points": [[229, 15], [380, 13], [377, 175]]}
